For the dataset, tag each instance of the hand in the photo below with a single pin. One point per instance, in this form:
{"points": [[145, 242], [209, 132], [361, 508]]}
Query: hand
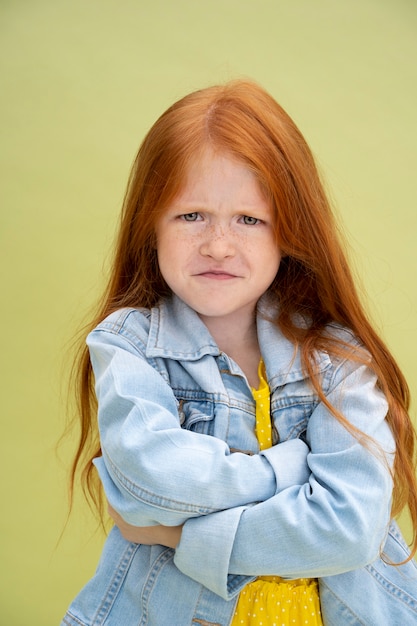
{"points": [[148, 535]]}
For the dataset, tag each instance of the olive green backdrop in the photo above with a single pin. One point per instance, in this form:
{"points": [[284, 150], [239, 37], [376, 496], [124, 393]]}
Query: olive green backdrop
{"points": [[81, 82]]}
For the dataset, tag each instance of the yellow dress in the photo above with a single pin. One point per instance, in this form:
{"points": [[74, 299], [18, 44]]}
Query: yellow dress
{"points": [[271, 600]]}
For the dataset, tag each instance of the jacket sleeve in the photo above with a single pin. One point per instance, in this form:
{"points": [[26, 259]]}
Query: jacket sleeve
{"points": [[335, 522], [155, 472]]}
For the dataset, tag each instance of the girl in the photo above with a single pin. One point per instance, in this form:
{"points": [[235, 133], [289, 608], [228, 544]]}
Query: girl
{"points": [[253, 440]]}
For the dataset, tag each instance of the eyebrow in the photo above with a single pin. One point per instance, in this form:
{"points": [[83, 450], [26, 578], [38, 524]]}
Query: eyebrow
{"points": [[194, 207]]}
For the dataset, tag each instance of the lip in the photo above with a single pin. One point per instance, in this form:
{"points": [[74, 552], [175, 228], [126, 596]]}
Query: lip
{"points": [[216, 275]]}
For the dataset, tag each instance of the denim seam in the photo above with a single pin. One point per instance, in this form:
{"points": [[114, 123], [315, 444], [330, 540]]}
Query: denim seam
{"points": [[392, 589], [278, 404], [347, 609], [115, 584], [73, 618], [130, 338], [149, 584]]}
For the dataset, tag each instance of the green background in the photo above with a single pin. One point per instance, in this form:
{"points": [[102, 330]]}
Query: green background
{"points": [[81, 82]]}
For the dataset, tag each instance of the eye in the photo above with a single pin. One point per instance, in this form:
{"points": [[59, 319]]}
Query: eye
{"points": [[250, 221], [190, 217]]}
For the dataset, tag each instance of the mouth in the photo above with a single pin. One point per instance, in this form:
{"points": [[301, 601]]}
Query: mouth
{"points": [[216, 275]]}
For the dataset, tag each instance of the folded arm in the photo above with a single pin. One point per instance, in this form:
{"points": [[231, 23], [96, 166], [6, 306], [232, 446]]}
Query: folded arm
{"points": [[333, 523], [155, 472]]}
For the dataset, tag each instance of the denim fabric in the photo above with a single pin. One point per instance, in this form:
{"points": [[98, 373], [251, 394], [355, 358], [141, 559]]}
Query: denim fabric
{"points": [[176, 419]]}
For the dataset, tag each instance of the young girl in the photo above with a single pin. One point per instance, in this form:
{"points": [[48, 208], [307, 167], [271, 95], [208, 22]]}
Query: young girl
{"points": [[253, 440]]}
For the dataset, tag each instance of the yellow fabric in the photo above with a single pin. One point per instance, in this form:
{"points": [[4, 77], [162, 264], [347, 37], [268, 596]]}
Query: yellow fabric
{"points": [[261, 396], [268, 603], [271, 600]]}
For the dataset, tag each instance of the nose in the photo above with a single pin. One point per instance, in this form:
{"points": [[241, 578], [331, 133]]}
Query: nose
{"points": [[218, 243]]}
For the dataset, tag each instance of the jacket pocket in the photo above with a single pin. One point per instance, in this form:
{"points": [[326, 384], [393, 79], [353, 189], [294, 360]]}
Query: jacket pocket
{"points": [[197, 416]]}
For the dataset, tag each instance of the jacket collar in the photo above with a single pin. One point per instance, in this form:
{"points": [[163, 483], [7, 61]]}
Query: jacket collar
{"points": [[177, 332]]}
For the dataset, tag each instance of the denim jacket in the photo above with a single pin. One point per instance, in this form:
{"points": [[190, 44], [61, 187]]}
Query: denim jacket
{"points": [[176, 420]]}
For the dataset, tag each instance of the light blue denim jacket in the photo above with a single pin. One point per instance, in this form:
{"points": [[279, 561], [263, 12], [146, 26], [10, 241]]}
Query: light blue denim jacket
{"points": [[176, 419]]}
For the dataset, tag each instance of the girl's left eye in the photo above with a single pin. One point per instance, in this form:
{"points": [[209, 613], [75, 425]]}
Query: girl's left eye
{"points": [[250, 221], [190, 217]]}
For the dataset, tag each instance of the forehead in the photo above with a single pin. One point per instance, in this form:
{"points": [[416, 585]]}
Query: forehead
{"points": [[214, 175]]}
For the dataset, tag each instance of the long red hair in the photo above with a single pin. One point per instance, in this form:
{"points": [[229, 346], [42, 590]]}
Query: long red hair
{"points": [[314, 279]]}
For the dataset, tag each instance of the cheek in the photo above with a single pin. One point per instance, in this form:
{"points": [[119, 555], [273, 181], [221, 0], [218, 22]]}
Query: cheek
{"points": [[269, 261], [173, 252], [164, 253]]}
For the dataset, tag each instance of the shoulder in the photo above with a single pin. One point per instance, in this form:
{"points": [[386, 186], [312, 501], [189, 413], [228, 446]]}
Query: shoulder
{"points": [[341, 345], [129, 325], [342, 335], [348, 359], [125, 319]]}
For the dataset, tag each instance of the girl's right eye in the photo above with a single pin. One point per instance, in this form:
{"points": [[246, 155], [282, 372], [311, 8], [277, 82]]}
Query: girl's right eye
{"points": [[190, 217]]}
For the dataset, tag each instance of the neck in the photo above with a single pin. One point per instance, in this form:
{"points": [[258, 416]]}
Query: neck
{"points": [[239, 342]]}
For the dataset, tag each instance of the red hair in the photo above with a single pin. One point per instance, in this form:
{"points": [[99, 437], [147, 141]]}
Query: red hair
{"points": [[314, 279]]}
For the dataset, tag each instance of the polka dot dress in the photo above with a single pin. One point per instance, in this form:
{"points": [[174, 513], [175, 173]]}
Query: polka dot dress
{"points": [[270, 600]]}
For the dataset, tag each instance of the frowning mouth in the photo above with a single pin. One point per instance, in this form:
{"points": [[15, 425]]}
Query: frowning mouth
{"points": [[216, 275]]}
